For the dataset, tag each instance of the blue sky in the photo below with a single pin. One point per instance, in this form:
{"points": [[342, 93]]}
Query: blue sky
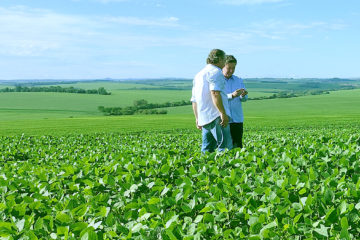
{"points": [[87, 39]]}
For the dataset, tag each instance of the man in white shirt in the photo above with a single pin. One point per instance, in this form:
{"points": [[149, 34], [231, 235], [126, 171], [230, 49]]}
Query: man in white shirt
{"points": [[210, 104], [237, 94]]}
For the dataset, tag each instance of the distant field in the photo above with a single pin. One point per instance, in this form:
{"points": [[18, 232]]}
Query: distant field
{"points": [[340, 107], [338, 104], [258, 86], [54, 105], [110, 86], [40, 105]]}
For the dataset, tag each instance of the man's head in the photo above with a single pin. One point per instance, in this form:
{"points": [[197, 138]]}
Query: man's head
{"points": [[230, 64], [216, 57]]}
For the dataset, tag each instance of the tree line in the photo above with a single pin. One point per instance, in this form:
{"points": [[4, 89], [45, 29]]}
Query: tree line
{"points": [[292, 94], [142, 107], [100, 90]]}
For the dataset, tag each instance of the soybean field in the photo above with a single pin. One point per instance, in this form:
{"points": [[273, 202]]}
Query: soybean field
{"points": [[286, 184], [68, 172]]}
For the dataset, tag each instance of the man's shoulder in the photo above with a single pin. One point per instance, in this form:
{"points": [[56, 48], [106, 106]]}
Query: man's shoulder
{"points": [[209, 72], [215, 72], [236, 78], [201, 73]]}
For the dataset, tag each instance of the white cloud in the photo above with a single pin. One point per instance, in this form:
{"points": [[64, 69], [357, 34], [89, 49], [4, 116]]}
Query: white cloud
{"points": [[107, 1], [155, 3], [169, 22], [36, 32], [40, 32], [276, 29], [32, 32], [103, 1], [247, 2]]}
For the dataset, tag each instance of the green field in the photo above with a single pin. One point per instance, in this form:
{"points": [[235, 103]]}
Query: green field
{"points": [[80, 110], [287, 184], [38, 113], [69, 172]]}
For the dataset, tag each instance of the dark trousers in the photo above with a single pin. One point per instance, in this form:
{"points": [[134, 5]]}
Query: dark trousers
{"points": [[236, 130]]}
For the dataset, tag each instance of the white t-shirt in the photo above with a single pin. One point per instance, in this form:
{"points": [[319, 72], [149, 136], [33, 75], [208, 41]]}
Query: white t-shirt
{"points": [[208, 79]]}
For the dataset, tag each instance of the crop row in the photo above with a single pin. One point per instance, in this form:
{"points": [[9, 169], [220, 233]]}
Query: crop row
{"points": [[284, 185]]}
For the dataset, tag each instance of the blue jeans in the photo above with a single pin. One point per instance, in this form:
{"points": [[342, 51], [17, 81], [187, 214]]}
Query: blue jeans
{"points": [[214, 136]]}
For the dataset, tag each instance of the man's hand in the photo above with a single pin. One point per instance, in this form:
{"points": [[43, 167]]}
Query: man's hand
{"points": [[237, 93], [244, 93], [217, 100], [197, 125], [224, 120]]}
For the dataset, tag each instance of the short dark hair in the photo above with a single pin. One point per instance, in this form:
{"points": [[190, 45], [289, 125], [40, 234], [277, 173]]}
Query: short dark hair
{"points": [[214, 56], [230, 59]]}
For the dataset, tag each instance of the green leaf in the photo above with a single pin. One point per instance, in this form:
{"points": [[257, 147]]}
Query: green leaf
{"points": [[154, 209], [297, 206], [79, 226], [302, 191], [342, 207], [186, 208], [344, 223], [312, 174], [208, 218], [132, 205], [88, 234], [331, 215], [255, 238], [344, 234], [20, 225], [136, 228], [221, 207], [309, 200], [227, 233], [80, 211], [39, 224], [328, 196], [170, 234], [171, 220], [63, 218], [357, 206], [2, 207], [62, 230], [31, 235], [154, 200], [296, 219], [145, 217], [102, 212], [164, 191], [266, 227], [165, 169], [206, 209], [5, 228], [322, 230], [198, 218], [253, 220], [89, 183]]}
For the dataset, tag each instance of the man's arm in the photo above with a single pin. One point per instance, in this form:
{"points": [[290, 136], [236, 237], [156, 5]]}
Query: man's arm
{"points": [[194, 106], [217, 100], [234, 94]]}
